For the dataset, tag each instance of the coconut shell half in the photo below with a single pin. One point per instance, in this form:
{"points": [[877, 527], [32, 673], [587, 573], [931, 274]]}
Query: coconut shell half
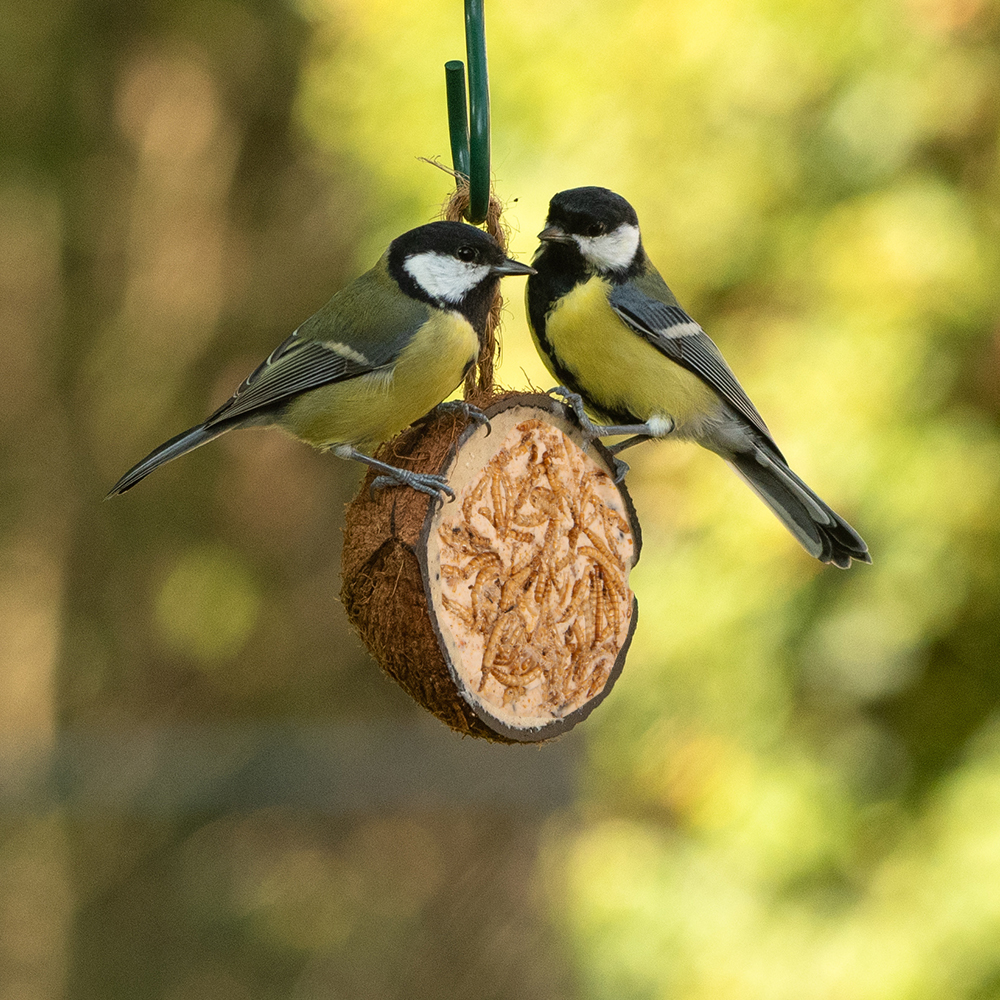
{"points": [[506, 612]]}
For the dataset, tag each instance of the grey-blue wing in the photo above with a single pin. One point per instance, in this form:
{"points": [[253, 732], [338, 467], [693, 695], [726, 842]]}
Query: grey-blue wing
{"points": [[362, 329], [673, 332], [295, 367]]}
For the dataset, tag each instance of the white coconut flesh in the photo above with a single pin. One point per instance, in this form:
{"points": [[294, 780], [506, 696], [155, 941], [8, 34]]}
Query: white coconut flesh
{"points": [[528, 570]]}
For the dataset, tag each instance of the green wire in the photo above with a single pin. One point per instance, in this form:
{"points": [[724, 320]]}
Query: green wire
{"points": [[458, 119], [479, 116], [470, 154]]}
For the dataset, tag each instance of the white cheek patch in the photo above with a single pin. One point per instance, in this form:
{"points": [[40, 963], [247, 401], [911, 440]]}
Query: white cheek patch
{"points": [[613, 251], [443, 277]]}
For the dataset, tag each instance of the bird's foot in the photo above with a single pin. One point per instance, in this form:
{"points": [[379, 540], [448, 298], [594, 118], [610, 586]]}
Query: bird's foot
{"points": [[467, 410], [654, 427], [424, 482], [575, 402], [391, 475]]}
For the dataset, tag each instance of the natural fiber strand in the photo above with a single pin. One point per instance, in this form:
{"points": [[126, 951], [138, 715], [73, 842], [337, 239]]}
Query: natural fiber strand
{"points": [[479, 380]]}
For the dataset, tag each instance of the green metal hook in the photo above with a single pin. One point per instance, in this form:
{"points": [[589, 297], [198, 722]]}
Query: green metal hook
{"points": [[458, 116], [479, 111], [470, 147]]}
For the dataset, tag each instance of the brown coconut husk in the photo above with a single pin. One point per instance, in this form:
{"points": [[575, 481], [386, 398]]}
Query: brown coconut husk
{"points": [[506, 612]]}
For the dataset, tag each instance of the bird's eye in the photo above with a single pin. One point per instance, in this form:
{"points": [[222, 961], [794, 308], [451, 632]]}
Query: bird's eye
{"points": [[466, 253], [595, 229]]}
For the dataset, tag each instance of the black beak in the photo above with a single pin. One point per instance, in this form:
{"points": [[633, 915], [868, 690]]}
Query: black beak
{"points": [[512, 267], [553, 234]]}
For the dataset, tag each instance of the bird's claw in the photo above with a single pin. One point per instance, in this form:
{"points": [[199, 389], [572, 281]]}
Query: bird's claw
{"points": [[575, 402], [468, 411], [657, 426], [423, 482]]}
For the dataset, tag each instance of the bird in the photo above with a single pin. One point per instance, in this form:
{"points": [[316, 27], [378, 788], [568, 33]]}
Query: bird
{"points": [[382, 353], [610, 330]]}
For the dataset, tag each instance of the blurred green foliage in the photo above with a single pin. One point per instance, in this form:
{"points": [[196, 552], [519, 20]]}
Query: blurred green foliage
{"points": [[794, 791]]}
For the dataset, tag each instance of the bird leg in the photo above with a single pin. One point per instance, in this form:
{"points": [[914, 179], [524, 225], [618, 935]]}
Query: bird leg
{"points": [[425, 482], [629, 442], [654, 428]]}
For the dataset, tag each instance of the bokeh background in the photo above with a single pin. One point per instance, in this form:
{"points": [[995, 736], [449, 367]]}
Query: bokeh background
{"points": [[208, 790]]}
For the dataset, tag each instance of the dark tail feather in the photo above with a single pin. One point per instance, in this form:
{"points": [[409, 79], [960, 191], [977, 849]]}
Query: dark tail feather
{"points": [[174, 448], [821, 532]]}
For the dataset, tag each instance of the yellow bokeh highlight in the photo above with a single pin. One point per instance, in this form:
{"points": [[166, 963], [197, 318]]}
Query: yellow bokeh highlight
{"points": [[207, 605]]}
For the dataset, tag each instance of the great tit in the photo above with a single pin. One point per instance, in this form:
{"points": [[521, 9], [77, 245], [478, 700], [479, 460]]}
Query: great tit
{"points": [[608, 327], [383, 352]]}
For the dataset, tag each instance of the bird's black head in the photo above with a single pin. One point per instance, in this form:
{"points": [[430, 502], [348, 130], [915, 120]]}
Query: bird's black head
{"points": [[451, 265], [599, 225]]}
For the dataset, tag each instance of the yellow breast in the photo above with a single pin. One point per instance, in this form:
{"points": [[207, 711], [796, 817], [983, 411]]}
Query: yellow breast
{"points": [[618, 370], [372, 408]]}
